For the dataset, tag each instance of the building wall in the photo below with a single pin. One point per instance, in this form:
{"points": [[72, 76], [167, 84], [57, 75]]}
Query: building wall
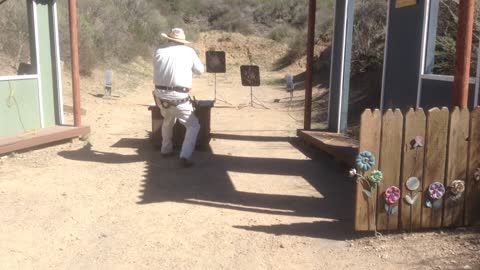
{"points": [[29, 97], [46, 59], [20, 111]]}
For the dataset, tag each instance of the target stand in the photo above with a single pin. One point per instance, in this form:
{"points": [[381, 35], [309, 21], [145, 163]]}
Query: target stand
{"points": [[251, 77], [216, 64]]}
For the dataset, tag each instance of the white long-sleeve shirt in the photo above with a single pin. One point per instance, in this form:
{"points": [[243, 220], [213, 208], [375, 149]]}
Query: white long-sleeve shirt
{"points": [[174, 65]]}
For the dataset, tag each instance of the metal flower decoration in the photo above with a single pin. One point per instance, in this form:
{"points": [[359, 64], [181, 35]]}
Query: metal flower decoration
{"points": [[365, 160], [412, 184], [391, 195], [476, 175], [375, 177], [419, 142], [456, 189], [435, 192], [352, 173]]}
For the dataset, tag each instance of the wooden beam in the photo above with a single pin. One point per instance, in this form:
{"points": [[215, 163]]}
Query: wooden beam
{"points": [[341, 147], [340, 66], [466, 10], [312, 8], [75, 63], [40, 137]]}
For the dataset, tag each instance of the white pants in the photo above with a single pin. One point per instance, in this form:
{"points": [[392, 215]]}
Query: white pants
{"points": [[184, 113]]}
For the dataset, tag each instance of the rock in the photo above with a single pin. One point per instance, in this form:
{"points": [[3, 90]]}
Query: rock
{"points": [[282, 246], [467, 267], [453, 261], [352, 244]]}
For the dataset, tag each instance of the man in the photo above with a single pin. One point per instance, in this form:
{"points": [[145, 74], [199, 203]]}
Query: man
{"points": [[174, 65]]}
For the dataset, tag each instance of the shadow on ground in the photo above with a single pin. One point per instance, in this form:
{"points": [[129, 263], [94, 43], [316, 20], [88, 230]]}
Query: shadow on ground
{"points": [[208, 184]]}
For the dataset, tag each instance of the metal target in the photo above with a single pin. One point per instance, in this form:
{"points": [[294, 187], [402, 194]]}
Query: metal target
{"points": [[216, 62], [250, 75]]}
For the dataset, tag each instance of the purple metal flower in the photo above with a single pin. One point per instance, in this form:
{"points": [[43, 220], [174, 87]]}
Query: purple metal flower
{"points": [[436, 190]]}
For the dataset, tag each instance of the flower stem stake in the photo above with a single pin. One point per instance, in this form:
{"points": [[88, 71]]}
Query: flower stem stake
{"points": [[391, 196], [412, 184]]}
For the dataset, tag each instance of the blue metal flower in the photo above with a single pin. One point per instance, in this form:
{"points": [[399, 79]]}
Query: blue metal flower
{"points": [[365, 160]]}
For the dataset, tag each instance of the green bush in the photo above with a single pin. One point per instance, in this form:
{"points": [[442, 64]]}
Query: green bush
{"points": [[233, 21]]}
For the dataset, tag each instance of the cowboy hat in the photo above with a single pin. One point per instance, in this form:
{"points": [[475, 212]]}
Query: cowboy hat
{"points": [[176, 35]]}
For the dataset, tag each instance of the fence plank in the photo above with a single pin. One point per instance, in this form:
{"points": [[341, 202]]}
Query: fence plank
{"points": [[456, 165], [412, 166], [390, 165], [369, 141], [472, 195], [434, 163]]}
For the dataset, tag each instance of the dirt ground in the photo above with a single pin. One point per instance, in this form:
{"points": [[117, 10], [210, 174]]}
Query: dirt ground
{"points": [[259, 199]]}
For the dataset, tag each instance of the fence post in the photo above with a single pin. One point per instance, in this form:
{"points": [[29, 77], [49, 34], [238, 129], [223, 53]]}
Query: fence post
{"points": [[412, 166], [390, 165], [434, 163], [370, 130], [472, 193], [457, 153]]}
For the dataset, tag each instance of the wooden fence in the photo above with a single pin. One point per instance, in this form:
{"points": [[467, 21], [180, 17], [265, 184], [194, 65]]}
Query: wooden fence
{"points": [[436, 146]]}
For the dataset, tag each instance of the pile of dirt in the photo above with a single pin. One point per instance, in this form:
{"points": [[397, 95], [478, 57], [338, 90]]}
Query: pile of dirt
{"points": [[240, 49]]}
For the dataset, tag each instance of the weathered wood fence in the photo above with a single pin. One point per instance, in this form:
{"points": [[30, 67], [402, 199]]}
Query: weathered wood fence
{"points": [[447, 148]]}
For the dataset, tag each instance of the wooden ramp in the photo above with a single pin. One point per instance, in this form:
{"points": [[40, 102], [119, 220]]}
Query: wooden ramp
{"points": [[40, 137], [342, 147]]}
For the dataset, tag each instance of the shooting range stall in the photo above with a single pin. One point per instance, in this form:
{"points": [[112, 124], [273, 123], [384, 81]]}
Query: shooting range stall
{"points": [[31, 107], [408, 78]]}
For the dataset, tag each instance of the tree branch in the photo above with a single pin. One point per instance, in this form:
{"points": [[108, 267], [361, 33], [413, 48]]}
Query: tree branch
{"points": [[455, 17]]}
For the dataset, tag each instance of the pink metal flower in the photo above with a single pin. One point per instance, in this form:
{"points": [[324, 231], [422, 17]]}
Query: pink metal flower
{"points": [[436, 190], [392, 194]]}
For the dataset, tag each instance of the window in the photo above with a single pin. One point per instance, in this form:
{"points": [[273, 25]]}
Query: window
{"points": [[445, 40], [17, 45]]}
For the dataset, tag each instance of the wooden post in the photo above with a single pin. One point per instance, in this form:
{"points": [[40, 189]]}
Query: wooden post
{"points": [[370, 136], [472, 192], [390, 161], [466, 11], [75, 63], [312, 8], [412, 166], [436, 140]]}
